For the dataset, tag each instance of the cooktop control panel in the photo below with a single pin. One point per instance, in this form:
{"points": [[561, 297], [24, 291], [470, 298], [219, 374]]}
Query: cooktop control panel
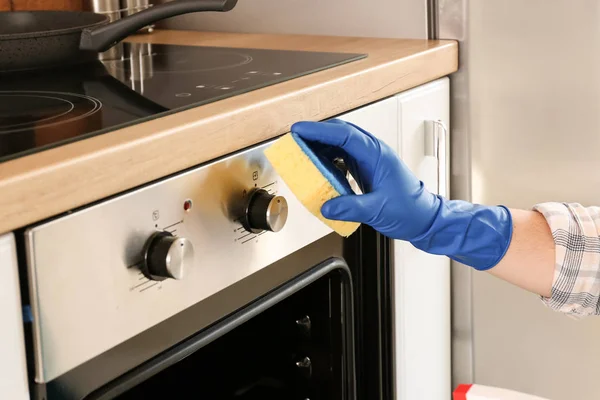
{"points": [[105, 273]]}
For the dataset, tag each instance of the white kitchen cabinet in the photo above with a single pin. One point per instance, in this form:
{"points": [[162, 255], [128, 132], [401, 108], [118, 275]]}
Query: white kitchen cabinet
{"points": [[408, 122], [13, 372], [422, 281], [380, 119]]}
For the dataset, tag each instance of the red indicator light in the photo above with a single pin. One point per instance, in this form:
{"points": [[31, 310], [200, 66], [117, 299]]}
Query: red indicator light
{"points": [[187, 205]]}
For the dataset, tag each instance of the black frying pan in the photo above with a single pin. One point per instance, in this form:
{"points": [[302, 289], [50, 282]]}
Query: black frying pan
{"points": [[42, 39]]}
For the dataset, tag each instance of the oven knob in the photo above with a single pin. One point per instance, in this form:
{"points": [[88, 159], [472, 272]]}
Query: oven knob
{"points": [[167, 256], [264, 212]]}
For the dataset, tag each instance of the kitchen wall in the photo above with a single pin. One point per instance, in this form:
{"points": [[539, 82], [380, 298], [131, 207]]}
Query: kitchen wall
{"points": [[525, 129], [384, 18]]}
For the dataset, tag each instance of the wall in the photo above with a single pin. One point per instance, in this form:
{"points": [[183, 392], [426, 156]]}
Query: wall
{"points": [[384, 18], [526, 129]]}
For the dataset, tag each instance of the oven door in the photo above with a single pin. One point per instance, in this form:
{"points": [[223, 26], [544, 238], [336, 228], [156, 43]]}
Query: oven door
{"points": [[295, 342], [316, 325], [101, 327]]}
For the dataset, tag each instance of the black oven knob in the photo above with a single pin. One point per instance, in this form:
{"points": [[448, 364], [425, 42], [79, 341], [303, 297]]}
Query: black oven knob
{"points": [[167, 256], [264, 212]]}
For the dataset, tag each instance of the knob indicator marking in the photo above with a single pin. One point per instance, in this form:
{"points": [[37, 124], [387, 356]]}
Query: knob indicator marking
{"points": [[264, 212], [167, 256]]}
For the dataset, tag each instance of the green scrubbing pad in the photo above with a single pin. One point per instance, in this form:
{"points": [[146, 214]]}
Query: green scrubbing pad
{"points": [[312, 178]]}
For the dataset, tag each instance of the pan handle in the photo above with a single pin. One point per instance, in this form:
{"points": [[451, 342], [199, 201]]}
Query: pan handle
{"points": [[103, 37]]}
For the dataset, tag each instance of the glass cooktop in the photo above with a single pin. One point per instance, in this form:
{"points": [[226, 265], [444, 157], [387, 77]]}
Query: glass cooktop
{"points": [[134, 83]]}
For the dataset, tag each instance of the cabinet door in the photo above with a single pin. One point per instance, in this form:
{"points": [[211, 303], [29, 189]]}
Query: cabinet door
{"points": [[422, 281], [380, 119], [13, 372]]}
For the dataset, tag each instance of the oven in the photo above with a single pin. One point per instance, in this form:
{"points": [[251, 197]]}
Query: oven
{"points": [[212, 283]]}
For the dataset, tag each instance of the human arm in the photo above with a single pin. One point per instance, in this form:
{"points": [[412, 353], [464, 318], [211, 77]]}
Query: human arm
{"points": [[530, 258], [522, 247]]}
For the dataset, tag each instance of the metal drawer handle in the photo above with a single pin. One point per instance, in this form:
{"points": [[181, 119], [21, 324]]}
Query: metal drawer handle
{"points": [[436, 140]]}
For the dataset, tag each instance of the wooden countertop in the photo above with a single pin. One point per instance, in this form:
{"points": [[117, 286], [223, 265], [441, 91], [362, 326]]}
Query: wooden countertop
{"points": [[48, 183]]}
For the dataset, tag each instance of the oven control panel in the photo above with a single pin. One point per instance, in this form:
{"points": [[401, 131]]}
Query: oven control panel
{"points": [[105, 273]]}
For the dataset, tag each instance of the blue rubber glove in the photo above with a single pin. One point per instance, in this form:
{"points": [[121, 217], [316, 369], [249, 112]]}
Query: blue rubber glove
{"points": [[397, 204]]}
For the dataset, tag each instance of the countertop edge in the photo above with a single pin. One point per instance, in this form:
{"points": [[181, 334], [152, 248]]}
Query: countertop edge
{"points": [[52, 182]]}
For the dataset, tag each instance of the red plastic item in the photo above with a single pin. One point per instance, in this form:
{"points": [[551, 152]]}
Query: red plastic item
{"points": [[460, 393], [482, 392]]}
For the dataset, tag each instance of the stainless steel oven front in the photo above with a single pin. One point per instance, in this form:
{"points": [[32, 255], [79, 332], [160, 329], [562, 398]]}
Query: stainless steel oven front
{"points": [[214, 281]]}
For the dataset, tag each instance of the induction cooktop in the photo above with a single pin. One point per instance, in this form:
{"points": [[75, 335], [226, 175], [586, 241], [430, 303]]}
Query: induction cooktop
{"points": [[43, 109]]}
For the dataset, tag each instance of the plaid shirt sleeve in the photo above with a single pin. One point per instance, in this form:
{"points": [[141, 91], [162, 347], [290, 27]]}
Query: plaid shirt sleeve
{"points": [[576, 233]]}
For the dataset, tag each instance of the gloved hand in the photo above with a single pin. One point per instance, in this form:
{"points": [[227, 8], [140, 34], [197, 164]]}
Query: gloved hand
{"points": [[397, 204]]}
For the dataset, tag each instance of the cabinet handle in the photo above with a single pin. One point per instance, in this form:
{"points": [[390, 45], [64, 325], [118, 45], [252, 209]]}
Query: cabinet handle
{"points": [[436, 142]]}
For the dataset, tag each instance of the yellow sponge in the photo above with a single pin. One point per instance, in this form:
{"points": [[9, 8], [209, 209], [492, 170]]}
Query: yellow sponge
{"points": [[312, 178]]}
